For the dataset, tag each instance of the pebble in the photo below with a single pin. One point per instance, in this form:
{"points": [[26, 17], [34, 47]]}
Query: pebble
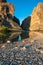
{"points": [[3, 46], [16, 48], [22, 55], [41, 51], [8, 41], [23, 49]]}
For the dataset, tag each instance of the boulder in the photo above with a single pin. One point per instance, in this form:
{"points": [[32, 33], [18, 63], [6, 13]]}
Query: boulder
{"points": [[37, 18]]}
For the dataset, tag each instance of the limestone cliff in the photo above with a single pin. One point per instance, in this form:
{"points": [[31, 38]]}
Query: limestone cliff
{"points": [[35, 22], [7, 15], [37, 18]]}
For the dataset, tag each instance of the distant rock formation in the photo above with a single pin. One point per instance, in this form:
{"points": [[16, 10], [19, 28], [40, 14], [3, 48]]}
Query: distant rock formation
{"points": [[35, 21], [7, 17], [26, 23], [37, 18]]}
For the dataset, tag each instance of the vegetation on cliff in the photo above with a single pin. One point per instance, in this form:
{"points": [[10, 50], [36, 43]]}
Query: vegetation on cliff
{"points": [[3, 29]]}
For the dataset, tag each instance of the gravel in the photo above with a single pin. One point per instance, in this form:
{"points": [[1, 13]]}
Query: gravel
{"points": [[21, 55]]}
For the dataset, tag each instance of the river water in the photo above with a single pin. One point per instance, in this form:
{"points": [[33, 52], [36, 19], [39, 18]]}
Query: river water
{"points": [[14, 36]]}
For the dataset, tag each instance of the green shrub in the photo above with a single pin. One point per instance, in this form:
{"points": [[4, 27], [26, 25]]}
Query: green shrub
{"points": [[3, 29]]}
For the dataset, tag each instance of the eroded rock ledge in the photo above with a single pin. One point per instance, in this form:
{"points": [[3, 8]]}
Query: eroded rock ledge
{"points": [[7, 16]]}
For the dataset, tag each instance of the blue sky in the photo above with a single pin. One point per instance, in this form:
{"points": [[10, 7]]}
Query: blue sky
{"points": [[24, 8]]}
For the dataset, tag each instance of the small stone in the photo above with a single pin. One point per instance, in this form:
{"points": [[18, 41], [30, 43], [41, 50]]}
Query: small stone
{"points": [[14, 63], [8, 41], [40, 63], [16, 48], [6, 63], [41, 51], [3, 46], [23, 49], [32, 41], [23, 41], [4, 55]]}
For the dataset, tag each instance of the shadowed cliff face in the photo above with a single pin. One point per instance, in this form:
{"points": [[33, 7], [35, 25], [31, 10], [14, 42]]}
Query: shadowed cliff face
{"points": [[15, 19], [26, 23], [3, 1]]}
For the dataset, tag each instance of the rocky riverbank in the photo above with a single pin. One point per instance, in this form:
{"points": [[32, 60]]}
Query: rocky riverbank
{"points": [[26, 52]]}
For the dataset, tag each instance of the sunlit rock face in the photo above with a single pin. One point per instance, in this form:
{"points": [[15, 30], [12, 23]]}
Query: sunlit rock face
{"points": [[35, 21], [6, 8], [7, 15], [37, 18]]}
